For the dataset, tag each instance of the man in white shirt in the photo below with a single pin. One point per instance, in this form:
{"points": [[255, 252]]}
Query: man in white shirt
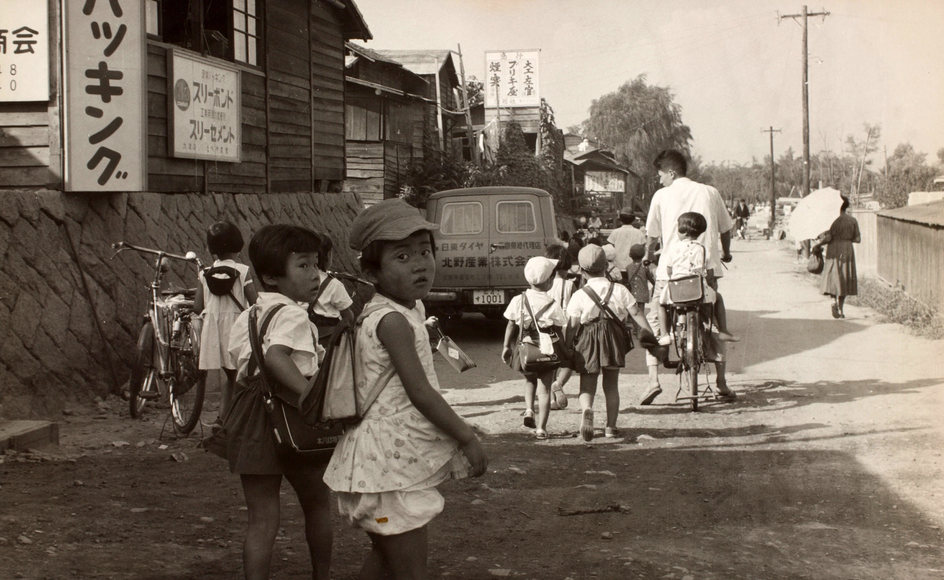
{"points": [[678, 195], [625, 237]]}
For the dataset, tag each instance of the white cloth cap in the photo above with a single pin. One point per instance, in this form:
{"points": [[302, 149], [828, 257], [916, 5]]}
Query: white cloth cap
{"points": [[539, 269], [609, 250]]}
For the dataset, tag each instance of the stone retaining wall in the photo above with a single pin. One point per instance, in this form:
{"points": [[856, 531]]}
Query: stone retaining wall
{"points": [[70, 313]]}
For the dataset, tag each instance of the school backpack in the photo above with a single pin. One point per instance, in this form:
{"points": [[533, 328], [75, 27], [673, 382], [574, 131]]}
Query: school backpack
{"points": [[220, 280]]}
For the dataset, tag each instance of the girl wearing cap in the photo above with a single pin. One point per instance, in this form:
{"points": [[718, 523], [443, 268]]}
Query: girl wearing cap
{"points": [[539, 273], [385, 469], [600, 345]]}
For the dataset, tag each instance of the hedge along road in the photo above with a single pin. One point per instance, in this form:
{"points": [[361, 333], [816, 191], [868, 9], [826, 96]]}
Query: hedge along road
{"points": [[827, 466]]}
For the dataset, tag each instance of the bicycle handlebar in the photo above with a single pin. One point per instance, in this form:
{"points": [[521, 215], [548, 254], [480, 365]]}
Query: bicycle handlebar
{"points": [[189, 257]]}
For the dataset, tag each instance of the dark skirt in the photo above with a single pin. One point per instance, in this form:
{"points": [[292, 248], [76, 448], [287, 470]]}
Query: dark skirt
{"points": [[599, 344], [839, 277]]}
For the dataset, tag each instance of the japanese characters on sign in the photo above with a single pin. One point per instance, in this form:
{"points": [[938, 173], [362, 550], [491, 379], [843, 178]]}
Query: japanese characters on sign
{"points": [[205, 108], [24, 51], [511, 78], [105, 98], [609, 181]]}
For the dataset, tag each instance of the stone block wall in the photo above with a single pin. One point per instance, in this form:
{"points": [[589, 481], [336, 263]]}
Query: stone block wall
{"points": [[70, 312]]}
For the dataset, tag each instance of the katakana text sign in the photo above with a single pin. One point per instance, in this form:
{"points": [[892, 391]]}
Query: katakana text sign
{"points": [[105, 95], [24, 50], [511, 78], [610, 181], [204, 104]]}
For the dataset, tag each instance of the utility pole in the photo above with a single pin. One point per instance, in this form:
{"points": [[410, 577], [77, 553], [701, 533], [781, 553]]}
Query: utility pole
{"points": [[806, 95], [773, 195], [470, 132]]}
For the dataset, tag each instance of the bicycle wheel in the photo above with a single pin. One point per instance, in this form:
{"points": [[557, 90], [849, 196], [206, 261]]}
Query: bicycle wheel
{"points": [[189, 383], [692, 360], [143, 382]]}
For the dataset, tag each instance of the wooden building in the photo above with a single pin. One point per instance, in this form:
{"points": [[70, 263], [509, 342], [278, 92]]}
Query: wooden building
{"points": [[438, 69], [386, 116], [188, 96], [598, 182]]}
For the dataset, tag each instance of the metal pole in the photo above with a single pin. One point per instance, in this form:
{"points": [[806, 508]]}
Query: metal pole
{"points": [[806, 111]]}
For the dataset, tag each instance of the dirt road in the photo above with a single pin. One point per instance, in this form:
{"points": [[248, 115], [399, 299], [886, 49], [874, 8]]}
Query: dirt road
{"points": [[827, 466]]}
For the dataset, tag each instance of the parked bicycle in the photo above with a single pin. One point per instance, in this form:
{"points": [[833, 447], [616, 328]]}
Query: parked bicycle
{"points": [[165, 366]]}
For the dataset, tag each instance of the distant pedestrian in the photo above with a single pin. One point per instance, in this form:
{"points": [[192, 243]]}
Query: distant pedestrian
{"points": [[839, 278], [639, 276], [528, 312], [220, 306], [625, 237]]}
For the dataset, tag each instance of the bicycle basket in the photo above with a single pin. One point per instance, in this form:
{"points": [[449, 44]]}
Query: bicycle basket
{"points": [[686, 289]]}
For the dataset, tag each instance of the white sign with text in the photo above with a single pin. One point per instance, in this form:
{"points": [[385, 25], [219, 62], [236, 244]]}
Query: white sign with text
{"points": [[24, 51], [204, 104], [511, 78]]}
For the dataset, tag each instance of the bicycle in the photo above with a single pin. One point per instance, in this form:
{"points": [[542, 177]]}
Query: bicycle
{"points": [[168, 348]]}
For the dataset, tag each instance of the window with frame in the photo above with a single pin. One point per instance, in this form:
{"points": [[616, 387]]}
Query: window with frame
{"points": [[227, 29], [515, 217], [461, 218]]}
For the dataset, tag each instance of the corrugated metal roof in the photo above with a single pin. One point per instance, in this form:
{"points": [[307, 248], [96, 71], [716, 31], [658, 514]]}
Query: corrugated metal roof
{"points": [[931, 214]]}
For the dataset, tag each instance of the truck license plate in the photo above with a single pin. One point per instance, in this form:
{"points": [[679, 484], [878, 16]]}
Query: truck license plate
{"points": [[488, 297]]}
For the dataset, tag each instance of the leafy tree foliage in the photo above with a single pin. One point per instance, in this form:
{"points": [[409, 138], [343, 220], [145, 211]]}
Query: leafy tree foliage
{"points": [[907, 172], [637, 122]]}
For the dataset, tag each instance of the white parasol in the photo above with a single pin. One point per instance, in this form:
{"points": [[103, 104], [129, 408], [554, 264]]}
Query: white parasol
{"points": [[814, 214]]}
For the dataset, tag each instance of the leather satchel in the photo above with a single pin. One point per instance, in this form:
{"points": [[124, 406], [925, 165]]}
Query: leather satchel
{"points": [[530, 357]]}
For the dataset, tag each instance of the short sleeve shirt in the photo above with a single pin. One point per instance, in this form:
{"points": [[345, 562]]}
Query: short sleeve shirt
{"points": [[685, 257], [682, 196], [553, 316], [333, 300], [583, 308], [290, 327], [624, 238]]}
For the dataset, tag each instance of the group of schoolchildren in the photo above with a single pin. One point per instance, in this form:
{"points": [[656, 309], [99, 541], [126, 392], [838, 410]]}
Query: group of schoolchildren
{"points": [[588, 303], [385, 469]]}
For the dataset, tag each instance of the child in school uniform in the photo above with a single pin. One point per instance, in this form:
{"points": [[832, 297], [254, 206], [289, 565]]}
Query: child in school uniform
{"points": [[561, 290], [332, 303], [285, 259], [639, 277], [386, 468], [600, 346], [224, 241], [526, 313], [613, 272]]}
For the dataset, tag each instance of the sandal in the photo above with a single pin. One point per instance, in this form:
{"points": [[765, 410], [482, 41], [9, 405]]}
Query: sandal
{"points": [[529, 419], [540, 434]]}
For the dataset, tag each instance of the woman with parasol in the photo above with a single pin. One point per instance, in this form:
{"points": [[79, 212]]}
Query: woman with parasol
{"points": [[839, 277]]}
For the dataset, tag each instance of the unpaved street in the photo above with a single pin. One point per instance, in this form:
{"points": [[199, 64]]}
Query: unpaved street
{"points": [[827, 466]]}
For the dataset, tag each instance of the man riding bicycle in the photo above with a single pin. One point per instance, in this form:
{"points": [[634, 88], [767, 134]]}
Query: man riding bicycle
{"points": [[679, 195]]}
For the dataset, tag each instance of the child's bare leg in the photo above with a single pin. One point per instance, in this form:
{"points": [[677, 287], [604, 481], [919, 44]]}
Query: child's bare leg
{"points": [[226, 390], [588, 388], [262, 501], [404, 555], [544, 398], [611, 395], [315, 499], [663, 320], [530, 386], [563, 375]]}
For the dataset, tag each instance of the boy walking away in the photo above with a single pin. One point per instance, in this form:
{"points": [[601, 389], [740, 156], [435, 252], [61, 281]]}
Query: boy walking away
{"points": [[639, 276], [285, 259], [332, 304], [527, 313]]}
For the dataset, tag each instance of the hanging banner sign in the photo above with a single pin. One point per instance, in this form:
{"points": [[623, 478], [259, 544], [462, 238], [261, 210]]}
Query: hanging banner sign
{"points": [[105, 95], [204, 108], [24, 51], [512, 78], [610, 181]]}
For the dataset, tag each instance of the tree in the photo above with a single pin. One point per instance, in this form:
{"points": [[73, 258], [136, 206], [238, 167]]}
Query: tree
{"points": [[476, 91], [860, 150], [637, 122], [907, 172]]}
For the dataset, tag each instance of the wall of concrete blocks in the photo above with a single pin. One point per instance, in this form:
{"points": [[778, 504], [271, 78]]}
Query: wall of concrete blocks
{"points": [[70, 312]]}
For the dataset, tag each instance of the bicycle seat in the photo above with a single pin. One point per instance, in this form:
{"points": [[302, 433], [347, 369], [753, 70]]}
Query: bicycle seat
{"points": [[189, 293]]}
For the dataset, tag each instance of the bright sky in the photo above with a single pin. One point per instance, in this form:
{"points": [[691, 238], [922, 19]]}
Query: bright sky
{"points": [[732, 65]]}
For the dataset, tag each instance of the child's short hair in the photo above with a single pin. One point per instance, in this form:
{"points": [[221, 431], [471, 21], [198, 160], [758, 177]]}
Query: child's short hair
{"points": [[271, 246], [224, 238], [559, 253], [692, 223], [637, 252]]}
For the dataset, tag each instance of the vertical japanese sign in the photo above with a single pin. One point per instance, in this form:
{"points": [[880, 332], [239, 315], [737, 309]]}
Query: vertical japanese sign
{"points": [[105, 95], [24, 50], [205, 108], [512, 78]]}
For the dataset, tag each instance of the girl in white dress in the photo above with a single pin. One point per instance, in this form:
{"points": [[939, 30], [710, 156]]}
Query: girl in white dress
{"points": [[224, 241], [385, 469]]}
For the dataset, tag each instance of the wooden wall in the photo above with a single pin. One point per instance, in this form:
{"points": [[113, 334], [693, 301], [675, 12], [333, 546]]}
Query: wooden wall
{"points": [[365, 170], [911, 255], [24, 145], [327, 98]]}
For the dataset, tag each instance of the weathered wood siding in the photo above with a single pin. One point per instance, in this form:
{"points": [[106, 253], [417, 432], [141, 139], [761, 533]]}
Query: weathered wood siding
{"points": [[171, 174], [866, 251], [365, 170], [911, 255], [397, 159], [24, 145], [327, 93]]}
